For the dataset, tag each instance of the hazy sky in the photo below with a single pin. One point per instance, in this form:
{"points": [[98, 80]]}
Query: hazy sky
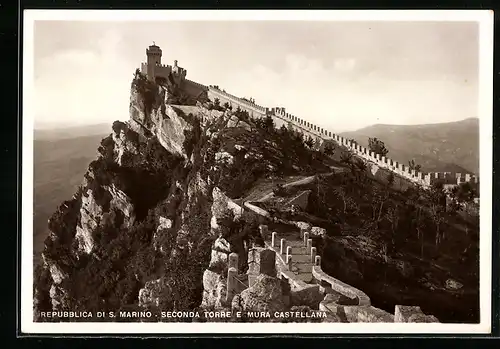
{"points": [[341, 75]]}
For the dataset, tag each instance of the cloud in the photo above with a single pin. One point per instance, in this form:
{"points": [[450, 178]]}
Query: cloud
{"points": [[84, 86], [342, 98], [344, 64], [360, 78]]}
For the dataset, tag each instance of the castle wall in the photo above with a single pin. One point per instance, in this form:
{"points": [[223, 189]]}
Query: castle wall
{"points": [[193, 88], [404, 176], [161, 70], [254, 110]]}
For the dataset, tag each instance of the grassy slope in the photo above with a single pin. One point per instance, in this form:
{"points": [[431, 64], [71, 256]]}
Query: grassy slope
{"points": [[59, 166], [450, 146]]}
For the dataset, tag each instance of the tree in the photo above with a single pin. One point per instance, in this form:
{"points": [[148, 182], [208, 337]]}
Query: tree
{"points": [[216, 103], [414, 166], [328, 149], [466, 192], [358, 168], [436, 199], [346, 158], [269, 123], [379, 197], [392, 216], [377, 146], [390, 179]]}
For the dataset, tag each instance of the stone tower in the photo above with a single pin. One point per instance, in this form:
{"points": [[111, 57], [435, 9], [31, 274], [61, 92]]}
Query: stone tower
{"points": [[153, 54]]}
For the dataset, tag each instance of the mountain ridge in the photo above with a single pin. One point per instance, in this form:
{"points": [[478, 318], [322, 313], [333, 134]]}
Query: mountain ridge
{"points": [[440, 147], [64, 132]]}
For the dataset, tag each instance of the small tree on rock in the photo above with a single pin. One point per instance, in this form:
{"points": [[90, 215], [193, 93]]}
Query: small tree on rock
{"points": [[414, 166], [377, 146]]}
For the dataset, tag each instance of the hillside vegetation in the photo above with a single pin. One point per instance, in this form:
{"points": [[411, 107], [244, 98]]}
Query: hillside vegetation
{"points": [[444, 147]]}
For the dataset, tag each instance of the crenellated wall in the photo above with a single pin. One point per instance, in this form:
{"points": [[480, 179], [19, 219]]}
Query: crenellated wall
{"points": [[254, 110], [419, 178], [281, 117]]}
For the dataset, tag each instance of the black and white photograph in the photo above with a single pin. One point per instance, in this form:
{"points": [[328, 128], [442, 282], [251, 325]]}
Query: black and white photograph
{"points": [[257, 171]]}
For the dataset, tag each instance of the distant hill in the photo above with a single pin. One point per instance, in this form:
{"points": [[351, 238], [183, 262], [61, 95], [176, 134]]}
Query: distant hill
{"points": [[452, 146], [71, 131], [59, 165]]}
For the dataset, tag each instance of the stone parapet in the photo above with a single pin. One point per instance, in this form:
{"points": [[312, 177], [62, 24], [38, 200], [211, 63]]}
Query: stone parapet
{"points": [[339, 286]]}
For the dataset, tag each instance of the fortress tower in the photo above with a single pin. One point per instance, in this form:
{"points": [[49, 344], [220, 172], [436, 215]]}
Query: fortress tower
{"points": [[153, 54], [153, 67]]}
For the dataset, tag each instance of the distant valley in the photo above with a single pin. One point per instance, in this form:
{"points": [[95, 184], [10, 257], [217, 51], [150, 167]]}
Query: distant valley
{"points": [[61, 157]]}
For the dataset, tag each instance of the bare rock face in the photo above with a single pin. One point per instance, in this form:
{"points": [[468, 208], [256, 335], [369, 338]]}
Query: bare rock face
{"points": [[90, 215], [453, 284], [166, 122], [214, 290], [122, 146], [223, 157], [220, 252], [170, 130], [405, 313], [222, 205], [366, 313], [317, 231], [56, 273], [163, 225], [265, 295], [215, 276], [197, 186], [122, 202], [302, 225], [58, 297], [234, 121]]}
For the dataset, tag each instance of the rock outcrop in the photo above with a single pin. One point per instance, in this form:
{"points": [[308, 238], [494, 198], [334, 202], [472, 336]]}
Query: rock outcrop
{"points": [[266, 295]]}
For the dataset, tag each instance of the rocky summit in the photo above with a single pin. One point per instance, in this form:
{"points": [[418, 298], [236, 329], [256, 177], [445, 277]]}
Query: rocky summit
{"points": [[185, 198]]}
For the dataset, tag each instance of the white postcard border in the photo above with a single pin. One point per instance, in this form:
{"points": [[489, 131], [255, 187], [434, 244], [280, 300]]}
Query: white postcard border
{"points": [[485, 114]]}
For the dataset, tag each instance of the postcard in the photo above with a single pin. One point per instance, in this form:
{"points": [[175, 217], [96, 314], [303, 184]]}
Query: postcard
{"points": [[260, 172]]}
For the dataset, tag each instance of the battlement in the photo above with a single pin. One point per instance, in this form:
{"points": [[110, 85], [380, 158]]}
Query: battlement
{"points": [[253, 109], [281, 117], [307, 128]]}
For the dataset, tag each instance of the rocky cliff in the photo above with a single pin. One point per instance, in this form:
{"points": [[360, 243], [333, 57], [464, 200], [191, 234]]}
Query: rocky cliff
{"points": [[139, 231], [163, 205]]}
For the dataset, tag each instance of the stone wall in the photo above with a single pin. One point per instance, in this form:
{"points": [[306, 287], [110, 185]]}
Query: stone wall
{"points": [[281, 117], [254, 110], [193, 88], [402, 170], [404, 176]]}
